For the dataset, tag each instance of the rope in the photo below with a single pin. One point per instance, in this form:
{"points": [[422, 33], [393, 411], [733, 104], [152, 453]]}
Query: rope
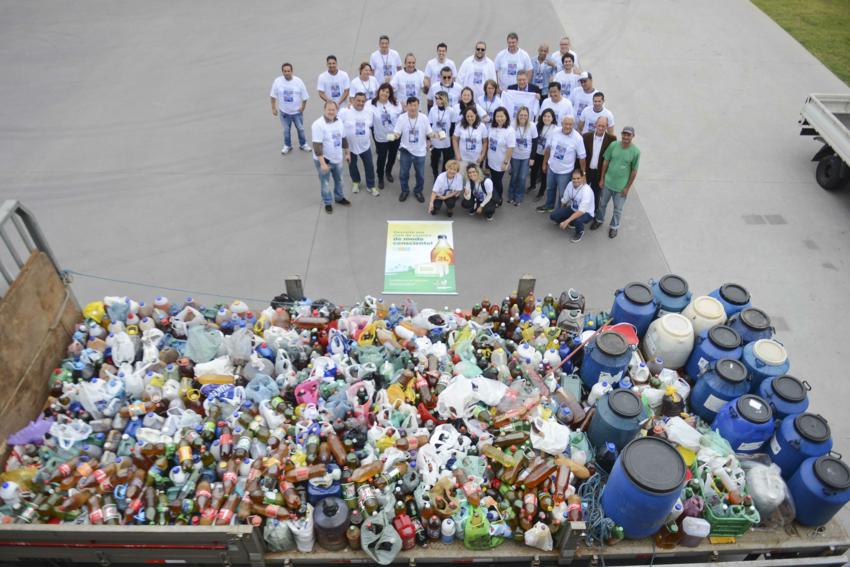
{"points": [[598, 526]]}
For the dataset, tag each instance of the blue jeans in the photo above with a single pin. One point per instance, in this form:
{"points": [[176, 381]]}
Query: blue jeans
{"points": [[564, 213], [325, 181], [287, 120], [519, 173], [368, 167], [555, 185], [405, 161], [619, 202]]}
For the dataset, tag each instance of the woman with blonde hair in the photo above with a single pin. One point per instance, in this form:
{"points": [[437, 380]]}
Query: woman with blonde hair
{"points": [[478, 193], [447, 187], [525, 133]]}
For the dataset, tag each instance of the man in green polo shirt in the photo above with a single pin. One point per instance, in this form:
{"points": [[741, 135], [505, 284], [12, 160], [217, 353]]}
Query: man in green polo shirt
{"points": [[619, 169]]}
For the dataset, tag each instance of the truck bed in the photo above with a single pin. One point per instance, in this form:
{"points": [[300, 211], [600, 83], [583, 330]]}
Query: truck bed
{"points": [[828, 116]]}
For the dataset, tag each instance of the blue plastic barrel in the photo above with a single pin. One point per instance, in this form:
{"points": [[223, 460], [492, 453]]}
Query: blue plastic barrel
{"points": [[609, 352], [745, 422], [786, 395], [617, 419], [734, 297], [798, 438], [752, 324], [718, 342], [634, 304], [725, 380], [764, 359], [643, 487], [671, 293], [820, 487]]}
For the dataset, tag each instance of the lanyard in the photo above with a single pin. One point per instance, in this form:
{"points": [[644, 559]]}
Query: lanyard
{"points": [[412, 123]]}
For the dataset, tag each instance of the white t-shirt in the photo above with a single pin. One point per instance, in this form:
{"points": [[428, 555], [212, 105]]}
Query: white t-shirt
{"points": [[384, 66], [597, 151], [561, 108], [543, 137], [557, 59], [441, 121], [563, 150], [357, 128], [289, 94], [384, 116], [514, 100], [508, 65], [474, 73], [581, 100], [482, 191], [330, 135], [369, 87], [334, 85], [478, 108], [568, 82], [498, 142], [443, 185], [408, 84], [413, 133], [434, 68], [524, 139], [470, 141], [589, 117], [580, 199], [453, 91], [490, 106]]}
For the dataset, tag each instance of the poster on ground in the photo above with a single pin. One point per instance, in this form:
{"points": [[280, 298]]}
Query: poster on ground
{"points": [[420, 258]]}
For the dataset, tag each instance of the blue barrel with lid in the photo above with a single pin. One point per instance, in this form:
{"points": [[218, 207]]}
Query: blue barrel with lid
{"points": [[671, 293], [720, 341], [786, 395], [725, 380], [609, 352], [764, 359], [733, 297], [617, 420], [820, 487], [799, 437], [634, 304], [752, 324], [643, 487], [745, 422]]}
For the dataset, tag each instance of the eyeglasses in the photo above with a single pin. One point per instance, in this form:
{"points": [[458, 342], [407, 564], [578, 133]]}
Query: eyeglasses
{"points": [[480, 49], [447, 76]]}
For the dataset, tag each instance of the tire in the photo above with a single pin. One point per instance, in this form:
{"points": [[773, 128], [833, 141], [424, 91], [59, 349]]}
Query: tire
{"points": [[831, 172]]}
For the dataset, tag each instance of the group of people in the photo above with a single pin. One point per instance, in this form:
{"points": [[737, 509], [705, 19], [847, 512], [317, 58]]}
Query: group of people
{"points": [[541, 120]]}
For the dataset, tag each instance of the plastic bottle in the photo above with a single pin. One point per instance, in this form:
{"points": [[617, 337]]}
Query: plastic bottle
{"points": [[599, 389]]}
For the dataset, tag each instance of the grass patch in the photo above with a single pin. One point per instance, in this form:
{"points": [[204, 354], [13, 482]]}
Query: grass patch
{"points": [[822, 26]]}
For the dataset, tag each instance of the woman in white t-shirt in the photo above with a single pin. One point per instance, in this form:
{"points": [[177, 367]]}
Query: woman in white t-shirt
{"points": [[470, 138], [478, 193], [385, 112], [442, 120], [545, 125], [501, 141], [491, 101], [364, 83], [526, 133], [467, 99], [447, 187]]}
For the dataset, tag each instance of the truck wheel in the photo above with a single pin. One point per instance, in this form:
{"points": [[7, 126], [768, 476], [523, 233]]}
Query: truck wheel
{"points": [[830, 172]]}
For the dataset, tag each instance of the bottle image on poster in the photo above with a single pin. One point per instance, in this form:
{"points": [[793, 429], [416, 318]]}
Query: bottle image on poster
{"points": [[442, 251]]}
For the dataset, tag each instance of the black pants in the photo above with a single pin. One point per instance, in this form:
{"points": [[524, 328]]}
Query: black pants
{"points": [[450, 205], [471, 205], [387, 152], [496, 177], [436, 155], [537, 176], [593, 181]]}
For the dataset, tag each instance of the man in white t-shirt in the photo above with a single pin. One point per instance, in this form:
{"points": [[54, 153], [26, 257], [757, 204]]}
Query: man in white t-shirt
{"points": [[435, 66], [330, 148], [563, 147], [476, 70], [358, 124], [577, 206], [289, 98], [445, 82], [556, 59], [567, 76], [385, 62], [589, 116], [333, 84], [561, 106], [583, 97], [414, 131], [510, 62], [410, 81]]}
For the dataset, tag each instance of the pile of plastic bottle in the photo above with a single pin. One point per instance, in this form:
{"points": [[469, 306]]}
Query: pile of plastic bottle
{"points": [[376, 427]]}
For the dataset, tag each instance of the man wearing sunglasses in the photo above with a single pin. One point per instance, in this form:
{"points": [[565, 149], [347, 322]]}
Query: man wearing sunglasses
{"points": [[476, 70]]}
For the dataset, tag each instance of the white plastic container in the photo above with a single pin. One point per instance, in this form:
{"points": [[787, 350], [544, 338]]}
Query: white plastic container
{"points": [[694, 530], [704, 313], [672, 338]]}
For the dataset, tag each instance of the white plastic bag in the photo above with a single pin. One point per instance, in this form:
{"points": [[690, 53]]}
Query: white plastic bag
{"points": [[539, 536], [549, 436], [123, 348], [220, 365]]}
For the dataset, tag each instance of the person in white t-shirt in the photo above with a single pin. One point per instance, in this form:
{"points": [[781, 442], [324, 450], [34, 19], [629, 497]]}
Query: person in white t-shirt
{"points": [[563, 147], [557, 58], [478, 193], [330, 149], [567, 76], [385, 112], [546, 123], [364, 83], [476, 69], [577, 206], [414, 131], [333, 84], [445, 82], [289, 98], [467, 99], [358, 128], [470, 137], [442, 119], [561, 106], [410, 81], [435, 66], [447, 188], [583, 97], [501, 141], [526, 133], [511, 61], [385, 61], [589, 116], [491, 100]]}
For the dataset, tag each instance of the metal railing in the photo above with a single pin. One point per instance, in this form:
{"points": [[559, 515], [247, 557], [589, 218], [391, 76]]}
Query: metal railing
{"points": [[19, 243]]}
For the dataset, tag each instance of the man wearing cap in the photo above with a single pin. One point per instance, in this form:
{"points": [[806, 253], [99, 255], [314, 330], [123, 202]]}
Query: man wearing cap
{"points": [[619, 168], [583, 97]]}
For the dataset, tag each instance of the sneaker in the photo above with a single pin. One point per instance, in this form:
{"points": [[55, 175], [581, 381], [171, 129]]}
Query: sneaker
{"points": [[355, 188], [419, 197], [577, 237], [471, 213], [285, 150], [516, 203], [403, 197], [450, 213], [380, 183], [306, 148], [373, 191], [612, 233], [543, 209], [343, 201], [595, 224], [329, 209], [511, 201], [390, 177], [489, 219]]}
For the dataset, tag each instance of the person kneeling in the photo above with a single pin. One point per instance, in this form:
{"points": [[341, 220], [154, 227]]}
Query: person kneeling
{"points": [[447, 187], [577, 206], [478, 193]]}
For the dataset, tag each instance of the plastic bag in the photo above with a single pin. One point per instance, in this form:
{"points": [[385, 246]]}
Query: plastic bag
{"points": [[239, 345], [217, 366], [260, 388], [379, 539], [123, 348], [680, 433], [302, 531], [278, 536], [539, 536], [188, 317], [549, 436], [203, 343]]}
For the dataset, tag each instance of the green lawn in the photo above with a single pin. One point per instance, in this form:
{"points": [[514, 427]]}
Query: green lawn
{"points": [[822, 26]]}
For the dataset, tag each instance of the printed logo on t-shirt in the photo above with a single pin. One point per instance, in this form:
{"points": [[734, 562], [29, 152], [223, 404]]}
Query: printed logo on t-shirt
{"points": [[522, 142], [581, 107], [471, 144], [336, 91], [413, 135], [479, 194], [512, 69], [287, 95], [385, 118], [494, 144], [515, 110], [337, 139], [560, 152], [441, 125], [410, 89], [478, 77], [541, 142], [359, 128], [388, 70]]}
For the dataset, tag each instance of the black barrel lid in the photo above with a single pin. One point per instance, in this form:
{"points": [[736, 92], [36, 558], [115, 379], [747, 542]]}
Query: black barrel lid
{"points": [[654, 465], [625, 403], [789, 388], [812, 426], [612, 343], [638, 292], [724, 337], [754, 409], [673, 285], [731, 370], [735, 294], [755, 319], [833, 472]]}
